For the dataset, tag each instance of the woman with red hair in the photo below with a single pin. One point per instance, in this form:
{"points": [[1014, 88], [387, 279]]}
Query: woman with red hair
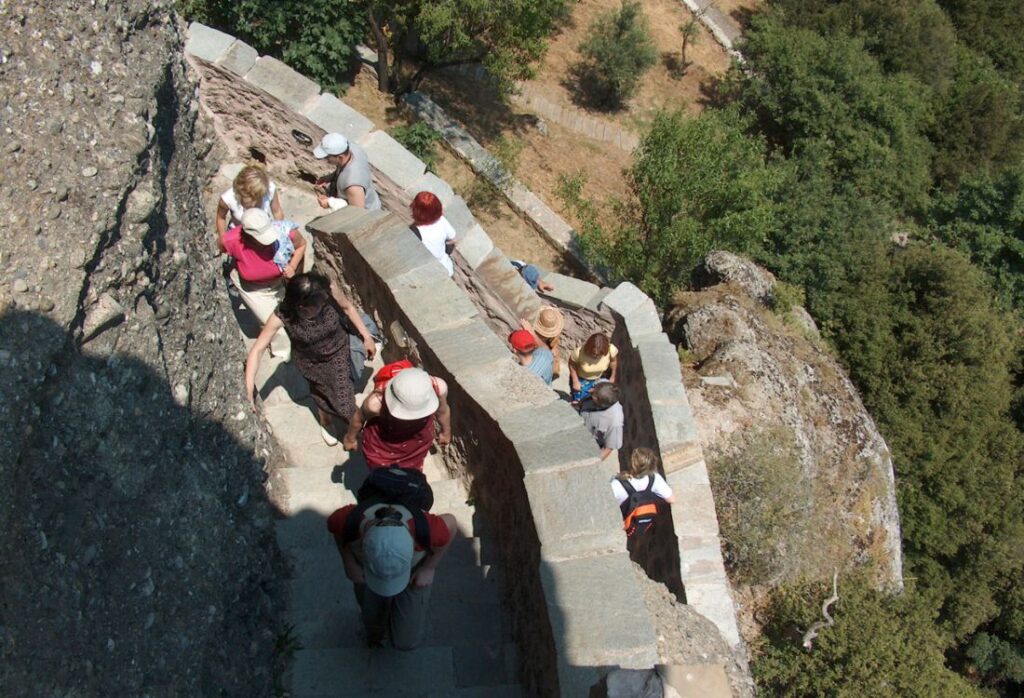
{"points": [[433, 229]]}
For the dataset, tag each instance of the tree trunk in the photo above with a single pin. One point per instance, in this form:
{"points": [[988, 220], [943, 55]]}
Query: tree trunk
{"points": [[383, 69]]}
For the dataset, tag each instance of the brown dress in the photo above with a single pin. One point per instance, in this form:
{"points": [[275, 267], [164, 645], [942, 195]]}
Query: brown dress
{"points": [[320, 350]]}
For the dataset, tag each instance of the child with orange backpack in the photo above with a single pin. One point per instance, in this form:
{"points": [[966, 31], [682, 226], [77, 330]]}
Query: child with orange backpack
{"points": [[639, 492]]}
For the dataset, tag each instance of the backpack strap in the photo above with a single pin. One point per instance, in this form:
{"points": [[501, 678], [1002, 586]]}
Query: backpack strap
{"points": [[650, 483], [350, 530], [630, 491], [422, 529]]}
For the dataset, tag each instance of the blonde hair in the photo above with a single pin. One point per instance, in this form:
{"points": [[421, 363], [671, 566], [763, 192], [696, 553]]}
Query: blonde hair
{"points": [[642, 462], [251, 185]]}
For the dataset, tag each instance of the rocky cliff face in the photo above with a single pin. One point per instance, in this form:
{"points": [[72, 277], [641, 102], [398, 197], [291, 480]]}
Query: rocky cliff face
{"points": [[136, 539], [803, 479]]}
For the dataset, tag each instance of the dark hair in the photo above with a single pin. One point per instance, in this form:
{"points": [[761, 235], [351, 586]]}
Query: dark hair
{"points": [[605, 394], [307, 292], [597, 346], [426, 208]]}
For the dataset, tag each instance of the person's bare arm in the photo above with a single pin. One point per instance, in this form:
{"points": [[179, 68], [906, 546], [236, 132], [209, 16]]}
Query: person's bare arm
{"points": [[222, 220], [605, 452], [615, 369], [252, 361], [424, 576], [275, 207], [356, 196], [353, 570], [357, 320], [295, 263], [574, 378], [444, 418]]}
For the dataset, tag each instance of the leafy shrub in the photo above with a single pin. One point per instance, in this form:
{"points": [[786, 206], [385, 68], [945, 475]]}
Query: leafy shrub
{"points": [[765, 507], [315, 37], [617, 51], [420, 140], [785, 296], [697, 184], [880, 646]]}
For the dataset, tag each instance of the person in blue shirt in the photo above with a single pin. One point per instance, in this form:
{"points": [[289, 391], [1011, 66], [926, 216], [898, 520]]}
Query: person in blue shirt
{"points": [[536, 357]]}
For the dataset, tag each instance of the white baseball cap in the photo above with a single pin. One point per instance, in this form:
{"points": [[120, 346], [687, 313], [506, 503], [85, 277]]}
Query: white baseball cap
{"points": [[387, 556], [331, 144], [258, 225]]}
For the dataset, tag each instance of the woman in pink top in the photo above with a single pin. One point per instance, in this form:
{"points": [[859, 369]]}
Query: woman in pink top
{"points": [[266, 253]]}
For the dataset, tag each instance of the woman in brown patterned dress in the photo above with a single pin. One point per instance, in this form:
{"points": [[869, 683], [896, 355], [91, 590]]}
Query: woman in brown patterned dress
{"points": [[311, 314]]}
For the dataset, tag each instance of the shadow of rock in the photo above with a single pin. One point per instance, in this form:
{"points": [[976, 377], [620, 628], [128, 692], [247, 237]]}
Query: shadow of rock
{"points": [[137, 540]]}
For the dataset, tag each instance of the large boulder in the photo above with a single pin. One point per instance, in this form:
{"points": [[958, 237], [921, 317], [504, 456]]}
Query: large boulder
{"points": [[773, 406]]}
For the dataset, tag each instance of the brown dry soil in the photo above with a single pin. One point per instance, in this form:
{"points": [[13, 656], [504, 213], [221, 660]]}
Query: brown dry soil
{"points": [[542, 160]]}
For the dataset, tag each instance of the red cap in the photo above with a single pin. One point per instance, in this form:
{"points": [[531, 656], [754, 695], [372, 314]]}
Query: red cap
{"points": [[522, 340]]}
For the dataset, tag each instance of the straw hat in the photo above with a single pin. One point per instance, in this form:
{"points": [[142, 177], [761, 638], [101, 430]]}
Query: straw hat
{"points": [[549, 322]]}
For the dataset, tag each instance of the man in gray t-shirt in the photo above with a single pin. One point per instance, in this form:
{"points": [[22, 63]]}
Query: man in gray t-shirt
{"points": [[602, 413], [351, 180]]}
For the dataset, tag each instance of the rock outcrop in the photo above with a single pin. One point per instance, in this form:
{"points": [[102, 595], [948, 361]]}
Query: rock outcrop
{"points": [[767, 395], [136, 538]]}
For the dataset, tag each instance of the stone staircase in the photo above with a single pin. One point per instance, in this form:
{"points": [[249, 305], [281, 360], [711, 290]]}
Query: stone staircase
{"points": [[467, 651]]}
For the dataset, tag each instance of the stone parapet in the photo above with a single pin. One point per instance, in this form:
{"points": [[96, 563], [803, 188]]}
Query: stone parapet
{"points": [[533, 466]]}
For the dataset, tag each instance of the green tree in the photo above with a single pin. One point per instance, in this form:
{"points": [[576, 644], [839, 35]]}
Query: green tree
{"points": [[413, 37], [616, 52], [880, 646], [993, 27], [697, 184], [830, 95], [315, 37]]}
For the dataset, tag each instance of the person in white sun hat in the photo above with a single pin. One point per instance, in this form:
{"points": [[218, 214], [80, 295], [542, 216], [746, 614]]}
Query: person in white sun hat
{"points": [[399, 421], [351, 179]]}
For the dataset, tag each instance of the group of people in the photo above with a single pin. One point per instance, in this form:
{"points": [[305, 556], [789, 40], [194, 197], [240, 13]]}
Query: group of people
{"points": [[390, 543]]}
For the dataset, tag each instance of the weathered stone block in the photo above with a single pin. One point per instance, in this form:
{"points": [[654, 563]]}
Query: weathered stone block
{"points": [[206, 42], [435, 306], [713, 601], [394, 161], [500, 388], [625, 298], [681, 457], [310, 489], [275, 78], [574, 511], [474, 245], [459, 215], [674, 424], [695, 474], [575, 589], [659, 360], [536, 422], [434, 184], [562, 449], [459, 348], [697, 680], [642, 322], [570, 291], [503, 279], [392, 251], [348, 221], [694, 510], [239, 58], [334, 116], [596, 303]]}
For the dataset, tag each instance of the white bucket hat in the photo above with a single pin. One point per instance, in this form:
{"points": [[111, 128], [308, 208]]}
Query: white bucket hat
{"points": [[258, 225], [410, 395]]}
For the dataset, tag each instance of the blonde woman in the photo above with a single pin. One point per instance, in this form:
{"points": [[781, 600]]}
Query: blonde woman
{"points": [[638, 491], [252, 188]]}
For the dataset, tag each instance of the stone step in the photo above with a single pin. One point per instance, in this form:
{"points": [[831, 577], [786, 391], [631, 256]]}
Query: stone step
{"points": [[316, 489], [356, 671], [297, 432]]}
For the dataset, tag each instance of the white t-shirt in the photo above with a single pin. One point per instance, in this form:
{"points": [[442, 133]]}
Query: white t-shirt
{"points": [[236, 209], [434, 237], [660, 488]]}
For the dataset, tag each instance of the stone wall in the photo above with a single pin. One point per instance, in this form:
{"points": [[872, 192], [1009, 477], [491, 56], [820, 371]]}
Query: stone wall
{"points": [[532, 466]]}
